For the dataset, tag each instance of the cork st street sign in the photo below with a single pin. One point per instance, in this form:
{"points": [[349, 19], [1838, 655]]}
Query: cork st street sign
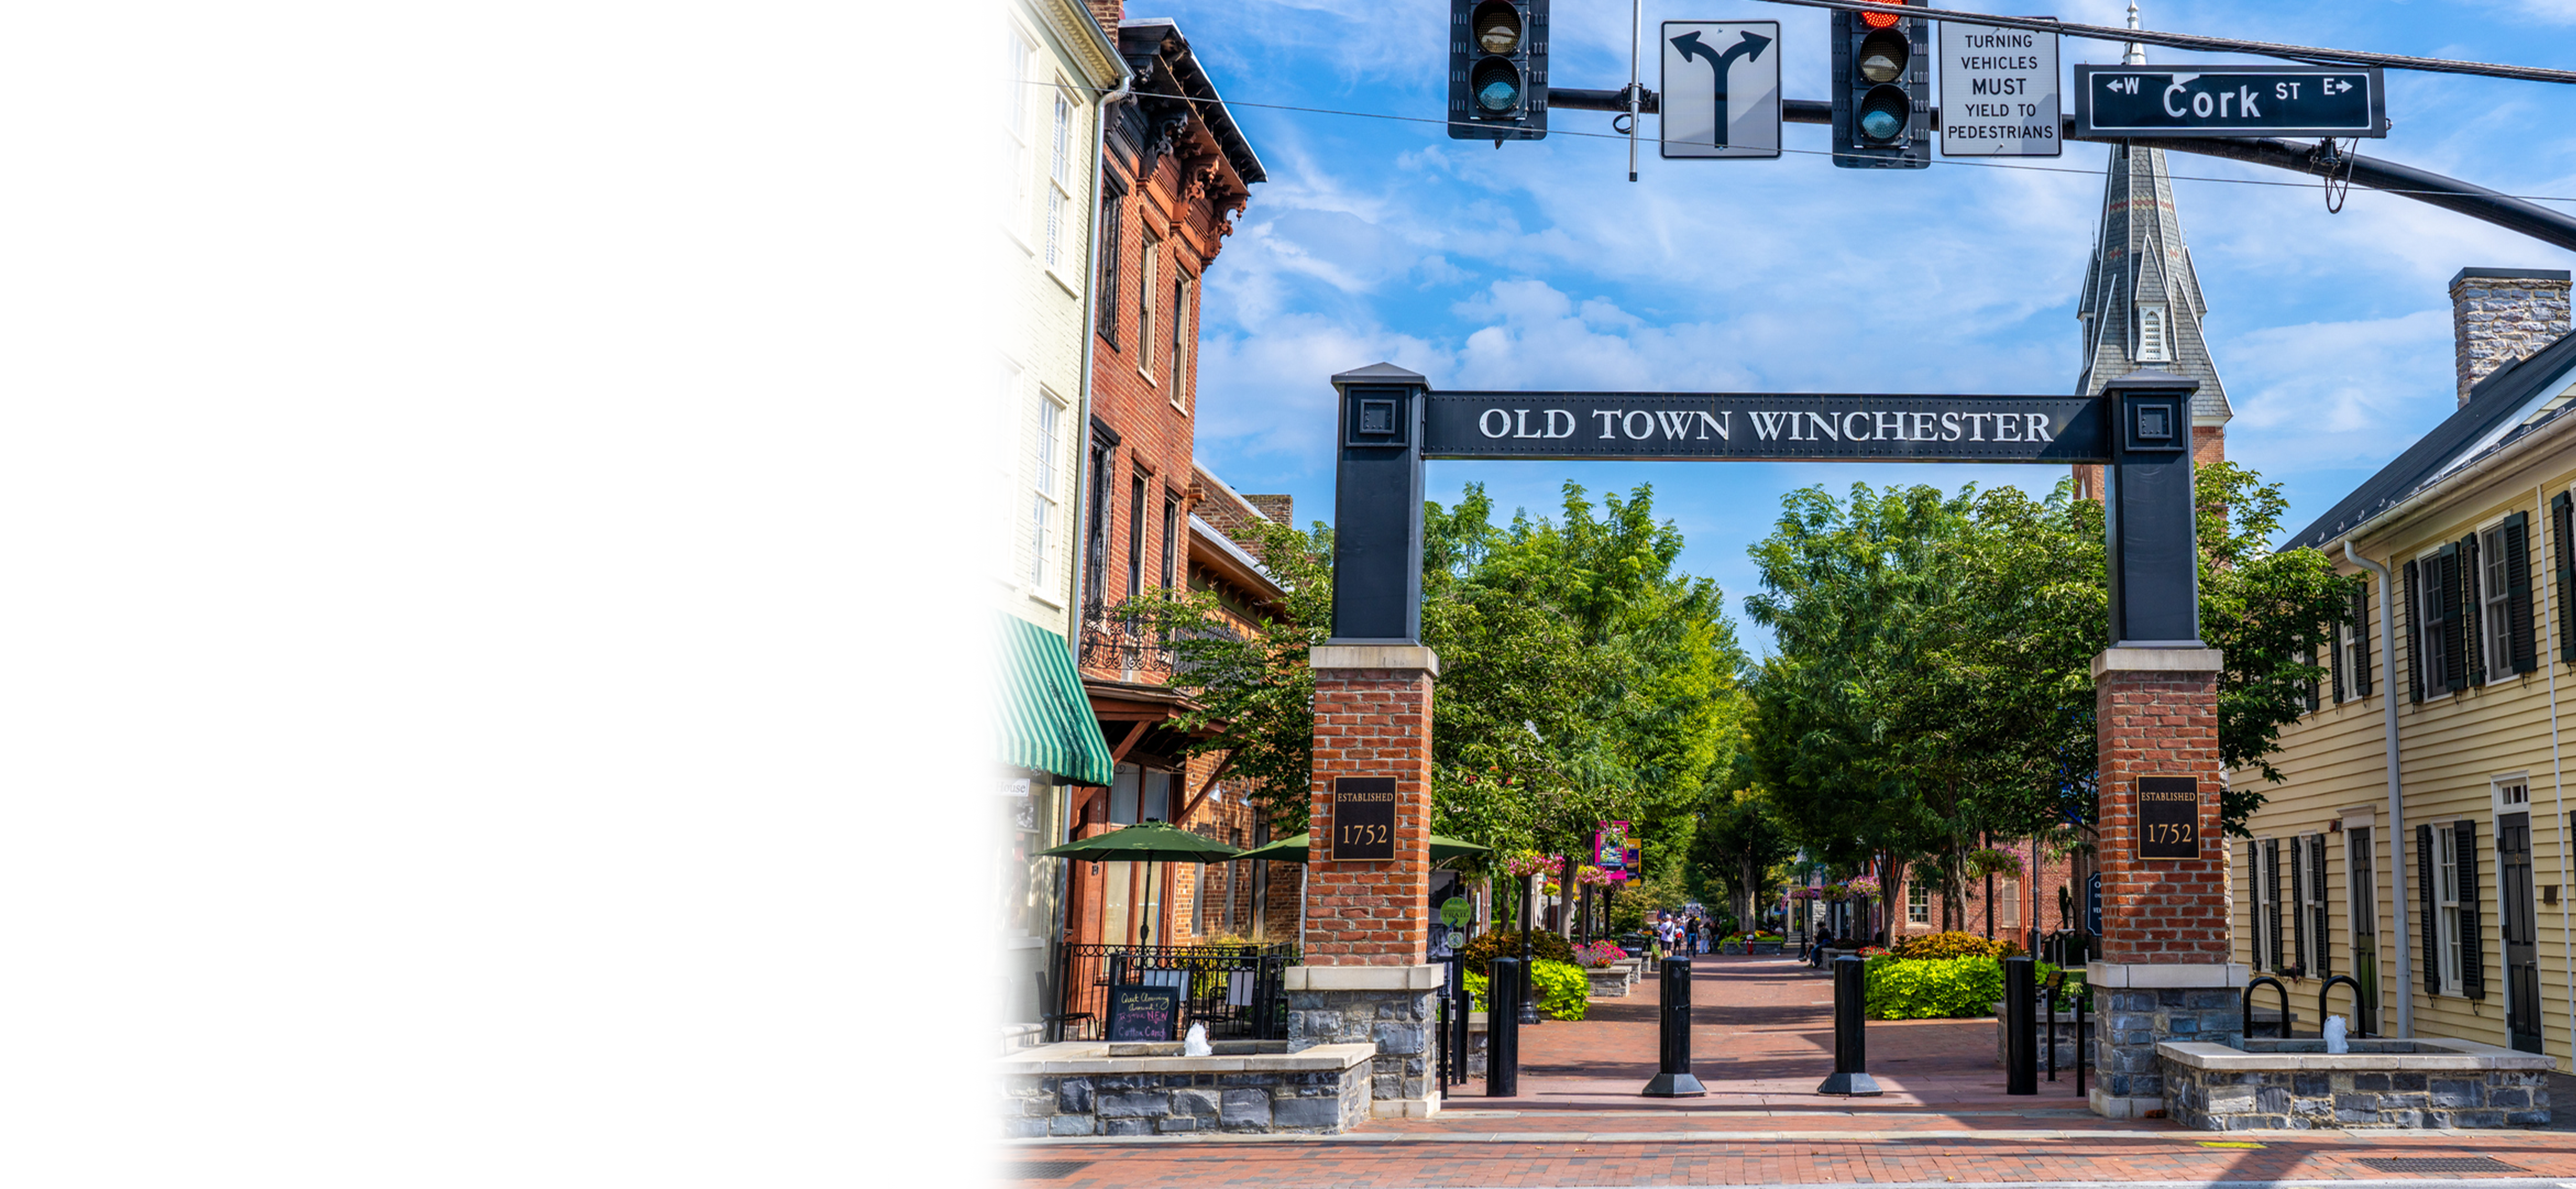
{"points": [[2116, 101]]}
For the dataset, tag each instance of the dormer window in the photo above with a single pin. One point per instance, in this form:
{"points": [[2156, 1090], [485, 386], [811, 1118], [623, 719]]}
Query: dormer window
{"points": [[2154, 335]]}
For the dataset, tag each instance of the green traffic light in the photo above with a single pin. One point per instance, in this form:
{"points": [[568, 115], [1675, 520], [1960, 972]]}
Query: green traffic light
{"points": [[1497, 85], [1884, 113]]}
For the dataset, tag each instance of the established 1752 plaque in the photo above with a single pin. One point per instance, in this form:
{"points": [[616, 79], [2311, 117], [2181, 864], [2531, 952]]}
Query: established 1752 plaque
{"points": [[1363, 817], [2168, 817]]}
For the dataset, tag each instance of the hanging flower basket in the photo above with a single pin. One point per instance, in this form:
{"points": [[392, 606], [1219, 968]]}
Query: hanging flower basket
{"points": [[1529, 863], [1862, 887], [1995, 862], [1591, 877]]}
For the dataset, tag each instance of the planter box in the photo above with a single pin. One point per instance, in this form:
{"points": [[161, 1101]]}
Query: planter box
{"points": [[1764, 947], [1608, 982]]}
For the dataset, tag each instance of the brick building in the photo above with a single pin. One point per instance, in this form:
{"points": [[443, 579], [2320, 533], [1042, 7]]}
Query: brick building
{"points": [[1175, 170]]}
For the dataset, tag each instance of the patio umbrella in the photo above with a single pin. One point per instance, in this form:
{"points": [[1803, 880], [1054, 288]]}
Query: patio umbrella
{"points": [[1148, 843], [1295, 849]]}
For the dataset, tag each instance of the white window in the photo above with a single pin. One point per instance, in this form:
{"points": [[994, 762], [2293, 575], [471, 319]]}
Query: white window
{"points": [[2427, 623], [2308, 860], [1016, 54], [1059, 199], [1179, 317], [1918, 903], [995, 526], [1147, 266], [2446, 897], [2348, 660], [2495, 619], [2263, 871], [1044, 497]]}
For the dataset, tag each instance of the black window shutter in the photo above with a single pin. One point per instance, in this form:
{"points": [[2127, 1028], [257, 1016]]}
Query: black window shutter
{"points": [[2308, 689], [2406, 593], [2336, 663], [2432, 910], [2317, 888], [2562, 520], [2473, 612], [2254, 898], [1112, 237], [2517, 590], [2473, 958], [2272, 881], [2455, 672], [2299, 901], [2361, 638]]}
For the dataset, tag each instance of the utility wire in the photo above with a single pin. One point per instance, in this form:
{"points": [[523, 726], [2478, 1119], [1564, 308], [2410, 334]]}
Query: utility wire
{"points": [[1618, 136], [2194, 41]]}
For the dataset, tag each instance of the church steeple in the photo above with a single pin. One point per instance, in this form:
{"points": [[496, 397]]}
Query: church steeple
{"points": [[2141, 306]]}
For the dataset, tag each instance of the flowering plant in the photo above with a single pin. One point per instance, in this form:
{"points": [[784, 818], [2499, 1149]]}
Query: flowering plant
{"points": [[1834, 891], [1995, 862], [1529, 863], [1862, 887], [1599, 953], [1806, 894], [1591, 876]]}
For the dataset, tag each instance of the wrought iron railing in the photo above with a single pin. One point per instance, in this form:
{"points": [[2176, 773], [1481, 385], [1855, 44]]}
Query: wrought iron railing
{"points": [[1125, 640], [1236, 990]]}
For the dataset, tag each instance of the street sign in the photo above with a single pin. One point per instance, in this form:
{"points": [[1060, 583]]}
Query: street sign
{"points": [[1721, 89], [1766, 426], [1998, 92], [2117, 101], [1455, 910]]}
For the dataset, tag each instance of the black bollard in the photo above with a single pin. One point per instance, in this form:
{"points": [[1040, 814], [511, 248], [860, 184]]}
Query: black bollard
{"points": [[2021, 1026], [1675, 1080], [1503, 1030], [1462, 1006], [1851, 1049]]}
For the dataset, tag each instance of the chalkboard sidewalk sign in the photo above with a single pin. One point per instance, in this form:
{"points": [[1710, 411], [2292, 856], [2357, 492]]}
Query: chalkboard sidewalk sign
{"points": [[1144, 1013]]}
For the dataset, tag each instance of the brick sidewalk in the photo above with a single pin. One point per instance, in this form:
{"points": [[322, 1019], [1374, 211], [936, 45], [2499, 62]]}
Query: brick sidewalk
{"points": [[1761, 1040]]}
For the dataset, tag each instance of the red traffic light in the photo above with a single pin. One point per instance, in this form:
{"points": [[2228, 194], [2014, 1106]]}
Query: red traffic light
{"points": [[1882, 20]]}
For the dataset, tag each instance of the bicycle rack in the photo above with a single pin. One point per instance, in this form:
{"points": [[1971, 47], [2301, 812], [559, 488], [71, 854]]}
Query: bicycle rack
{"points": [[2246, 1020]]}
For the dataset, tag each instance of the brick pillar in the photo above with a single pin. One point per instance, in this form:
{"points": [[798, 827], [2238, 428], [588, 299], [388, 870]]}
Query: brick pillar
{"points": [[2164, 973], [1367, 924]]}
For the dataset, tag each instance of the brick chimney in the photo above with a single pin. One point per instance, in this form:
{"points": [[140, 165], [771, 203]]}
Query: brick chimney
{"points": [[1278, 509], [2500, 316], [1109, 13]]}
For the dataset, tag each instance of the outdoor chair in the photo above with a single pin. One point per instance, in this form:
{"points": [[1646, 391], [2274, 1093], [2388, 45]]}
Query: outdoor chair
{"points": [[1055, 1020]]}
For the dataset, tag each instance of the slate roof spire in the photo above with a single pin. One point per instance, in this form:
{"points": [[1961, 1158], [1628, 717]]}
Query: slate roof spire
{"points": [[2141, 305]]}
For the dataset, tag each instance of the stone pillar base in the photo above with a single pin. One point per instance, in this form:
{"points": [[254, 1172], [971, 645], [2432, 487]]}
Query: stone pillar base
{"points": [[2144, 1003], [1386, 1006]]}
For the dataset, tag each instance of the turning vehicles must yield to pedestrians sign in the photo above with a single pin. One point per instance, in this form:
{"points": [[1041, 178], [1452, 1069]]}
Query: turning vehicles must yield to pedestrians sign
{"points": [[2115, 101], [1721, 89], [1998, 92]]}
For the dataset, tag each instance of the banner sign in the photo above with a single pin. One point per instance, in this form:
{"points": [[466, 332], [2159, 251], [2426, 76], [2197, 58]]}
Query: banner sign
{"points": [[1765, 427], [1610, 850]]}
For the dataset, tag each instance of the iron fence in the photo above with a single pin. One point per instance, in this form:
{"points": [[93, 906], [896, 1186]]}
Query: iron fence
{"points": [[1236, 990]]}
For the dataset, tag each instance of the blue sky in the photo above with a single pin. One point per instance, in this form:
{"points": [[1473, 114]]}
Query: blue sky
{"points": [[1540, 265]]}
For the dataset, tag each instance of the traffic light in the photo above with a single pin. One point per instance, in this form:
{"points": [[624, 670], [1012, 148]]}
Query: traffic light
{"points": [[1497, 70], [1882, 90]]}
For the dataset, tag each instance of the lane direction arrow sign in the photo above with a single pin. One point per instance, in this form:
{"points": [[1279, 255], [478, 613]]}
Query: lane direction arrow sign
{"points": [[1999, 93], [1721, 89], [2117, 101]]}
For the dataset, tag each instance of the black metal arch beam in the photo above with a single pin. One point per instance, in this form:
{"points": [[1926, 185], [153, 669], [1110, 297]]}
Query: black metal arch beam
{"points": [[2405, 181]]}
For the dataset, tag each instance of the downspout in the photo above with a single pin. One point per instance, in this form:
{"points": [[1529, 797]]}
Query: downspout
{"points": [[1082, 426], [2402, 968], [2557, 770]]}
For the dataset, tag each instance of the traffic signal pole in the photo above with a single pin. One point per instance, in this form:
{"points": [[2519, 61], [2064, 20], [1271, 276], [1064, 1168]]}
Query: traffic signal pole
{"points": [[2404, 181]]}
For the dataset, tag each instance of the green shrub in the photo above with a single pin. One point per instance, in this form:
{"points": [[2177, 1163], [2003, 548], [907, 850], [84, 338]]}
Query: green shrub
{"points": [[1563, 990], [1896, 988], [1544, 946]]}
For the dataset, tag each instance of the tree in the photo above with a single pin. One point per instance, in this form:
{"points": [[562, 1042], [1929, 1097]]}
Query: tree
{"points": [[1740, 840]]}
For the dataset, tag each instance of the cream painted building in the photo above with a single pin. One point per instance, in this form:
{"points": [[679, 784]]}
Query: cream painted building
{"points": [[1057, 68], [2472, 527], [1060, 65]]}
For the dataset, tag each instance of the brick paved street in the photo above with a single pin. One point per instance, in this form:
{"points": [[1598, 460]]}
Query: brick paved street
{"points": [[1762, 1034]]}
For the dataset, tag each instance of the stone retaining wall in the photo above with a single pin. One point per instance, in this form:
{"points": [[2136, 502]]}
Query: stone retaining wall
{"points": [[1078, 1089], [2425, 1083]]}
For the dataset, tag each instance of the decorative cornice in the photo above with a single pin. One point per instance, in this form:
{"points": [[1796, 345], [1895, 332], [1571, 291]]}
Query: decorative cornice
{"points": [[1091, 49]]}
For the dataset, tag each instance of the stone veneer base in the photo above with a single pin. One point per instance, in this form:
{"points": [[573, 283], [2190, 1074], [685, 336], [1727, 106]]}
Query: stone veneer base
{"points": [[2142, 1005], [1389, 1009], [2443, 1084], [1077, 1088]]}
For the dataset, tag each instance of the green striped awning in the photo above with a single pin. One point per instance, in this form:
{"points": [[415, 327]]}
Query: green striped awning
{"points": [[1045, 720]]}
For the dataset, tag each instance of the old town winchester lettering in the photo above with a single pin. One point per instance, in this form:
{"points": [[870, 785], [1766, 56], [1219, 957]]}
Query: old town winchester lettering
{"points": [[1749, 426]]}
